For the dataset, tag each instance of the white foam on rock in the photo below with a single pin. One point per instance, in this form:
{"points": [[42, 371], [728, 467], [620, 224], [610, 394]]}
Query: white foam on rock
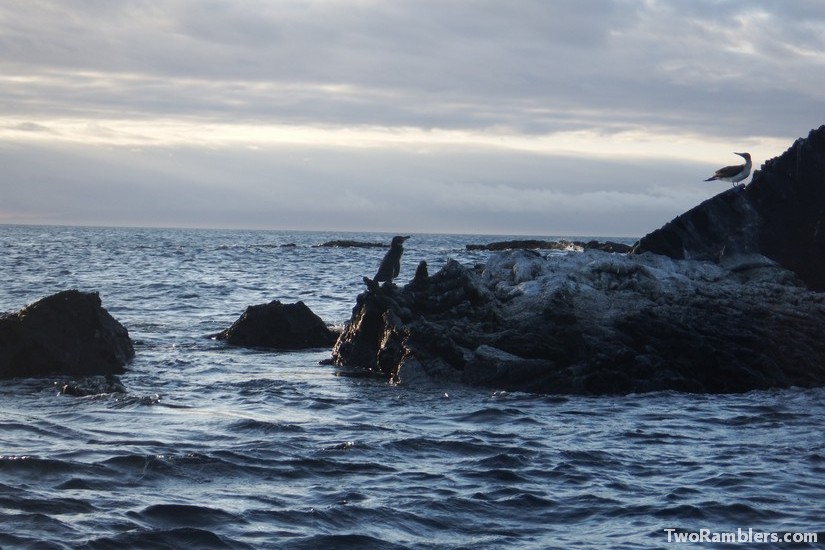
{"points": [[525, 280]]}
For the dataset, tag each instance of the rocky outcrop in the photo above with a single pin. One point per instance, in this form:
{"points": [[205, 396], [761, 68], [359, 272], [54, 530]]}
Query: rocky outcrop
{"points": [[593, 323], [68, 333], [278, 326], [780, 214], [729, 302], [533, 244]]}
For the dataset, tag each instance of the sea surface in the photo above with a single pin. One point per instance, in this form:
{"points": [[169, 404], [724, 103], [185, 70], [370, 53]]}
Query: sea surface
{"points": [[220, 447]]}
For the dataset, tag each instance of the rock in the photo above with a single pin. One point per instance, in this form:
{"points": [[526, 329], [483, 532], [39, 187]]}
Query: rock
{"points": [[593, 323], [729, 302], [780, 215], [68, 333], [91, 386], [607, 246], [349, 244], [278, 326], [528, 244], [532, 244]]}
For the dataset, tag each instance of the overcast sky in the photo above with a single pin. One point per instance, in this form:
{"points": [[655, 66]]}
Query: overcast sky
{"points": [[543, 117]]}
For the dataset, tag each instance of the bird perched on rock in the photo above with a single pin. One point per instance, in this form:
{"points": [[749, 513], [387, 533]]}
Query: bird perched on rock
{"points": [[391, 264], [736, 173]]}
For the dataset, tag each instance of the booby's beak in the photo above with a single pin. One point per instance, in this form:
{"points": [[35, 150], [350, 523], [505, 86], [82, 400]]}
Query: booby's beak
{"points": [[740, 154]]}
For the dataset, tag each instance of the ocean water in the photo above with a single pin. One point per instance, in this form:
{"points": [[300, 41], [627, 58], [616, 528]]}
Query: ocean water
{"points": [[220, 447]]}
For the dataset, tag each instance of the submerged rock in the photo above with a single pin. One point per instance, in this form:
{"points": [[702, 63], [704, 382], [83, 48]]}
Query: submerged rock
{"points": [[593, 323], [91, 386], [780, 215], [68, 333], [279, 326]]}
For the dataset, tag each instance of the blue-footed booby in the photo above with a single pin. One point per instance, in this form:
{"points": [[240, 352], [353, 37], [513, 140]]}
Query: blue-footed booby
{"points": [[734, 174]]}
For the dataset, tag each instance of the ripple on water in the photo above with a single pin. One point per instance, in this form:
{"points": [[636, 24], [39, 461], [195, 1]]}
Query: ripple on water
{"points": [[166, 516], [164, 539]]}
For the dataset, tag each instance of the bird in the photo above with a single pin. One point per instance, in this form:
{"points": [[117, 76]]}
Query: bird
{"points": [[391, 264], [736, 173]]}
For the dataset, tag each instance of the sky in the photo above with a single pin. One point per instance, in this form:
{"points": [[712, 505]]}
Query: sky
{"points": [[533, 117]]}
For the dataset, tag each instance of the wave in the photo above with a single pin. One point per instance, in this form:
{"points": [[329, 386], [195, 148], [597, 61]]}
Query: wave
{"points": [[341, 542], [269, 450], [166, 539]]}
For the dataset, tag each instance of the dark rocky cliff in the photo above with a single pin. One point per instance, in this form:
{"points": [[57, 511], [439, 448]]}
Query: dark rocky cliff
{"points": [[780, 214]]}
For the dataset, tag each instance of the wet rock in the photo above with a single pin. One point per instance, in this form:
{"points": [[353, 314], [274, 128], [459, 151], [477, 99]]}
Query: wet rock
{"points": [[593, 323], [527, 244], [91, 385], [532, 244], [606, 246], [729, 302], [279, 326], [68, 333], [780, 215]]}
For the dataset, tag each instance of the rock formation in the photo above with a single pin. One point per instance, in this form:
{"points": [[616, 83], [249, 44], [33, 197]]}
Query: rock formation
{"points": [[721, 307], [780, 214], [593, 323], [278, 326], [533, 244], [68, 333]]}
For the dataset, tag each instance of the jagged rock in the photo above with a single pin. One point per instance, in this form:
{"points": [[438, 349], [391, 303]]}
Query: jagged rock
{"points": [[593, 323], [68, 333], [780, 215], [722, 307], [278, 326]]}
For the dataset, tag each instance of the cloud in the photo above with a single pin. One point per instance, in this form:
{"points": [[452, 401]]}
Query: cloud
{"points": [[30, 127], [533, 66], [582, 116], [456, 190]]}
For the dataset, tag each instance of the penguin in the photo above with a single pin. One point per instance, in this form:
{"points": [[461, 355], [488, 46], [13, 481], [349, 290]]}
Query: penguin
{"points": [[391, 264]]}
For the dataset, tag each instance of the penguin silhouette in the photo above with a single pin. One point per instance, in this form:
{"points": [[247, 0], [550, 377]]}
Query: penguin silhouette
{"points": [[391, 264]]}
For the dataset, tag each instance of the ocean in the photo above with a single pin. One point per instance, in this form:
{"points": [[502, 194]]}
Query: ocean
{"points": [[220, 447]]}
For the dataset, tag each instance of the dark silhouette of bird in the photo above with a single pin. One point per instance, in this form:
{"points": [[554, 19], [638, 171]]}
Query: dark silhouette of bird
{"points": [[391, 264], [736, 173]]}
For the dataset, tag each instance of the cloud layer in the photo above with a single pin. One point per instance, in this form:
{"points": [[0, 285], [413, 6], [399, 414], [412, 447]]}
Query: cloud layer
{"points": [[581, 117]]}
